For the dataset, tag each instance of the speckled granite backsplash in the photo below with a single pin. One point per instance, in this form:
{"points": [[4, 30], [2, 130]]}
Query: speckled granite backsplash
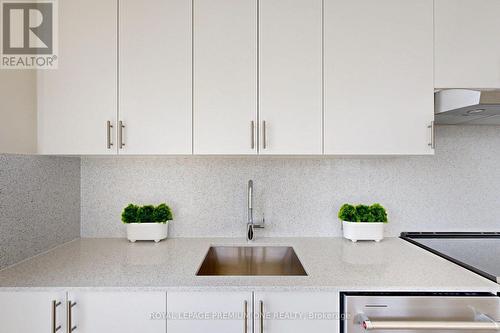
{"points": [[39, 204], [457, 189]]}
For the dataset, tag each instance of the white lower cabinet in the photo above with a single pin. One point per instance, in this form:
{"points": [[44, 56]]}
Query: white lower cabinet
{"points": [[172, 312], [296, 312], [32, 312], [225, 312], [221, 312], [124, 312]]}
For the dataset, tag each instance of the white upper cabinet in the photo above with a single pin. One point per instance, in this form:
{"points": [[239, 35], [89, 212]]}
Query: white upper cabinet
{"points": [[290, 76], [225, 76], [378, 76], [76, 101], [467, 43], [155, 76], [277, 77]]}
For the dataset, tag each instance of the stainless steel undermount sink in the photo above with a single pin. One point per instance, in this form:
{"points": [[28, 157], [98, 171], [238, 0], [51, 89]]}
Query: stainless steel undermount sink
{"points": [[251, 260]]}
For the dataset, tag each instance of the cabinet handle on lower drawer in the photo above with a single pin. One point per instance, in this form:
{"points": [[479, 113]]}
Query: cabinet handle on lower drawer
{"points": [[54, 325], [70, 327], [261, 315], [245, 316]]}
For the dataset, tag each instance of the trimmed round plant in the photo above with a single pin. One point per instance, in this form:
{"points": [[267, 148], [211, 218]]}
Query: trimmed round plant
{"points": [[147, 214], [363, 213]]}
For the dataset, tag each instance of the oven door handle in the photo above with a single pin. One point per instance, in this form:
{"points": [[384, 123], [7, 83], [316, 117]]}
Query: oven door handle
{"points": [[418, 325]]}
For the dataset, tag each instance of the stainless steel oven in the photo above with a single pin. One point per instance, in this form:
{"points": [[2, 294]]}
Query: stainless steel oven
{"points": [[420, 312]]}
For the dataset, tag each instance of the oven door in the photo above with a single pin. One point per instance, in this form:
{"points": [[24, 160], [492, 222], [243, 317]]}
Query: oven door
{"points": [[436, 313]]}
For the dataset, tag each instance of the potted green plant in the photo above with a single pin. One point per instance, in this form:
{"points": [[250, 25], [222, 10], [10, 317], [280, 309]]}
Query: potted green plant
{"points": [[147, 222], [363, 222]]}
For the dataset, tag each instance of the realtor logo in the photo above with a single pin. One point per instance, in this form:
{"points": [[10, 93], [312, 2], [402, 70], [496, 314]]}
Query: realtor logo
{"points": [[29, 34]]}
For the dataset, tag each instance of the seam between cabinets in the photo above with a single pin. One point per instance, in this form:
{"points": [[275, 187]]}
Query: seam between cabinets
{"points": [[322, 77], [258, 78], [433, 149], [192, 76], [117, 75], [252, 312], [433, 44]]}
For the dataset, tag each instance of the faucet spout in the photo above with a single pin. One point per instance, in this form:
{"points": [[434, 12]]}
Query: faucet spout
{"points": [[250, 201]]}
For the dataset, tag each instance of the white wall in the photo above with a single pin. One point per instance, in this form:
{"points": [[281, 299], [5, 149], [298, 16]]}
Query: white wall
{"points": [[458, 189], [18, 111]]}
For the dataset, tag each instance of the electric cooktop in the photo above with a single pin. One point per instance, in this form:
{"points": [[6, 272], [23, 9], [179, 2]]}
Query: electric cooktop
{"points": [[476, 251]]}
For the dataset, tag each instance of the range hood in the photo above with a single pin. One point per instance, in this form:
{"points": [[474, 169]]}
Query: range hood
{"points": [[467, 107]]}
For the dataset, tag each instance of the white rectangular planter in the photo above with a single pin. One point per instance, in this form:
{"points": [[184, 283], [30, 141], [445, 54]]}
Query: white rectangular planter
{"points": [[363, 231], [147, 231]]}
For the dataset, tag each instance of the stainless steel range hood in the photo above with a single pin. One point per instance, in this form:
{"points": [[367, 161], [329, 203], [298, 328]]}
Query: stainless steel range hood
{"points": [[467, 107]]}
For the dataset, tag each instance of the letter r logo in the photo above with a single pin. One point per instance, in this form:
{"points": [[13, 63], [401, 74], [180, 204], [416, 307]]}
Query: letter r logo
{"points": [[27, 27]]}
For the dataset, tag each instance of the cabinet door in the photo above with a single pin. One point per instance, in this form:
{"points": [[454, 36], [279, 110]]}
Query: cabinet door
{"points": [[32, 312], [225, 76], [155, 76], [290, 79], [467, 43], [296, 312], [124, 312], [379, 95], [194, 312], [76, 100]]}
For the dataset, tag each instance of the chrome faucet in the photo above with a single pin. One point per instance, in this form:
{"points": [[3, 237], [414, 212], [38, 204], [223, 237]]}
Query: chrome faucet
{"points": [[250, 223]]}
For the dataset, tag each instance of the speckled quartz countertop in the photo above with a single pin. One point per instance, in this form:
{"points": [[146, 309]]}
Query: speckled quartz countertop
{"points": [[331, 264]]}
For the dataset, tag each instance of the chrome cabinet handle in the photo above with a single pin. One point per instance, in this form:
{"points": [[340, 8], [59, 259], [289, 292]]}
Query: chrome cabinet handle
{"points": [[245, 318], [109, 143], [261, 312], [432, 127], [403, 325], [69, 315], [264, 135], [252, 134], [54, 325], [120, 134]]}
